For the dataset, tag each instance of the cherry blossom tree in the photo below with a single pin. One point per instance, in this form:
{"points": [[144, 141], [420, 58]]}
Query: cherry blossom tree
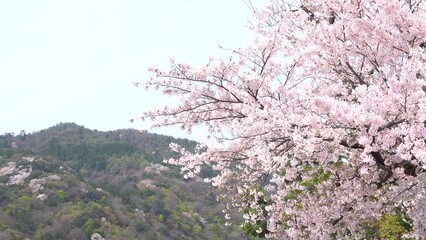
{"points": [[320, 122]]}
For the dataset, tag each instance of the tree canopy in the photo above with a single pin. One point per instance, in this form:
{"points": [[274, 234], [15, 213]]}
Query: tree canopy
{"points": [[70, 182], [320, 121]]}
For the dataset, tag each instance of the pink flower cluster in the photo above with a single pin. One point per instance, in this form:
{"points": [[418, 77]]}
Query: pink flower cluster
{"points": [[320, 122]]}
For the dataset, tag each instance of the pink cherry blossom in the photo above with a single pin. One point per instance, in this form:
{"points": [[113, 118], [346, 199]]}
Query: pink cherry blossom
{"points": [[320, 123]]}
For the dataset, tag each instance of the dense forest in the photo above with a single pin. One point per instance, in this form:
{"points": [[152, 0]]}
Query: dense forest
{"points": [[70, 182]]}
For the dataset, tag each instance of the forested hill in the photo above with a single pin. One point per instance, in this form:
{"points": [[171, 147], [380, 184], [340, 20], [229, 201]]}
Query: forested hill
{"points": [[70, 182]]}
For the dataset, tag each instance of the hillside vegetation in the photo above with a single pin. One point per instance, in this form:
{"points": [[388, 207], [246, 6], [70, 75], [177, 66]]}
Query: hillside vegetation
{"points": [[69, 182]]}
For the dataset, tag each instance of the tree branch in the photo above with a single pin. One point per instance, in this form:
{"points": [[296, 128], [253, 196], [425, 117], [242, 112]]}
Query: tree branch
{"points": [[361, 80], [389, 125]]}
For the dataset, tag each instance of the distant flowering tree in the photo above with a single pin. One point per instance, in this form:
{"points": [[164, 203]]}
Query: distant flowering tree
{"points": [[321, 121]]}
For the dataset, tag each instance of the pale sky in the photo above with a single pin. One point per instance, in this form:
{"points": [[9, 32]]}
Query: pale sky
{"points": [[75, 61]]}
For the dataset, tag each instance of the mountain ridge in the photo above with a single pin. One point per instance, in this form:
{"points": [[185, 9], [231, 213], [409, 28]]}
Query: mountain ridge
{"points": [[70, 182]]}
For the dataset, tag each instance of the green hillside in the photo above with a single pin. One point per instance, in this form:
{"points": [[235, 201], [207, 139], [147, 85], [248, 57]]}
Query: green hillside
{"points": [[69, 182]]}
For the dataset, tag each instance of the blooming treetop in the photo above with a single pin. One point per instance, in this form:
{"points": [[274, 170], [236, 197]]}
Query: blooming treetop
{"points": [[322, 118]]}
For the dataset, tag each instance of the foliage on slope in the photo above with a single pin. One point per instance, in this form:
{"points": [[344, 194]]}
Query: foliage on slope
{"points": [[69, 182]]}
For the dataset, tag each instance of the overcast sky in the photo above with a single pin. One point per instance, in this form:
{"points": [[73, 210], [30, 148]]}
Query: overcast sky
{"points": [[75, 61]]}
